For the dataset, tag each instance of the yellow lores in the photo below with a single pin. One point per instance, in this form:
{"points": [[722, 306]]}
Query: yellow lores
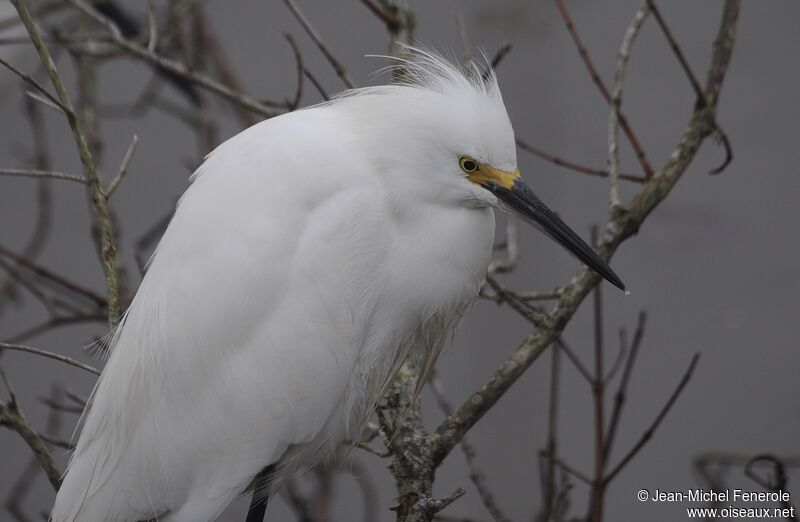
{"points": [[482, 174]]}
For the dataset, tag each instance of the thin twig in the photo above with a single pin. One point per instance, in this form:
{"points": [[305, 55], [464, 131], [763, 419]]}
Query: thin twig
{"points": [[676, 49], [11, 416], [298, 59], [551, 452], [123, 167], [44, 197], [569, 469], [616, 101], [55, 278], [99, 206], [56, 322], [508, 262], [648, 434], [50, 355], [172, 66], [687, 69], [619, 397], [597, 500], [500, 54], [44, 101], [221, 61], [476, 475], [637, 148], [523, 308], [574, 359], [35, 173], [539, 153], [385, 15], [152, 35], [36, 85], [316, 84], [463, 39], [618, 360], [341, 72]]}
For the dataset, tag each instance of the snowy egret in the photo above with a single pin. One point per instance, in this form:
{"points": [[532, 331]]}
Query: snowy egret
{"points": [[310, 256]]}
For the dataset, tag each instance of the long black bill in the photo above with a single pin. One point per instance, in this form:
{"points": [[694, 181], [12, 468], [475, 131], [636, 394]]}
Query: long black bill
{"points": [[521, 199]]}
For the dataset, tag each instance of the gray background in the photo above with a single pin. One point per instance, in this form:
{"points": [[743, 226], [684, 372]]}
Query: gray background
{"points": [[715, 266]]}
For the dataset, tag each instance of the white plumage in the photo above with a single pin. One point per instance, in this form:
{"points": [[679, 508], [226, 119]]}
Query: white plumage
{"points": [[310, 255]]}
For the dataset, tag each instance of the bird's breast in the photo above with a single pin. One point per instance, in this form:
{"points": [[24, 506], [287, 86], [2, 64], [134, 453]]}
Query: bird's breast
{"points": [[440, 259]]}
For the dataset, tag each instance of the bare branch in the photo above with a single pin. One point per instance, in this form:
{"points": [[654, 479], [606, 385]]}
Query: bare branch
{"points": [[11, 416], [385, 15], [172, 66], [50, 355], [648, 434], [616, 101], [317, 85], [35, 173], [312, 33], [539, 153], [637, 148], [476, 475], [298, 58], [99, 206], [59, 280], [152, 37], [123, 167], [36, 85], [619, 397]]}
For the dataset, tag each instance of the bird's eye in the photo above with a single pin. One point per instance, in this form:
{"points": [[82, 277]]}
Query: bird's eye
{"points": [[468, 164]]}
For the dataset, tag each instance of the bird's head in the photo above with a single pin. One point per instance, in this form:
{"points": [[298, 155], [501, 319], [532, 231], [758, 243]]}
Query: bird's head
{"points": [[449, 132]]}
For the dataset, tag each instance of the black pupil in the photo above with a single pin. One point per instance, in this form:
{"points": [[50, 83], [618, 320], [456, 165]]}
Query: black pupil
{"points": [[470, 165]]}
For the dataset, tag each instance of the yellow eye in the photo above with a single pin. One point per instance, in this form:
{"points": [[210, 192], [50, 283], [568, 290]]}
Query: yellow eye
{"points": [[468, 164]]}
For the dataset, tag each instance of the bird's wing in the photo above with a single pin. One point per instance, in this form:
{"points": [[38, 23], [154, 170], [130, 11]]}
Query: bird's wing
{"points": [[243, 336]]}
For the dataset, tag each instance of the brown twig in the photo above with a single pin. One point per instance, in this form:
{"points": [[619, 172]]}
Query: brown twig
{"points": [[316, 84], [648, 434], [596, 503], [55, 278], [385, 15], [341, 72], [549, 487], [222, 63], [569, 469], [584, 53], [298, 59], [619, 397], [574, 359], [687, 69], [44, 197], [539, 153], [56, 322], [49, 355], [172, 66]]}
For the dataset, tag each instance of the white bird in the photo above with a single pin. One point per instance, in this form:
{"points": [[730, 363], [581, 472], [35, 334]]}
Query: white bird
{"points": [[312, 253]]}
